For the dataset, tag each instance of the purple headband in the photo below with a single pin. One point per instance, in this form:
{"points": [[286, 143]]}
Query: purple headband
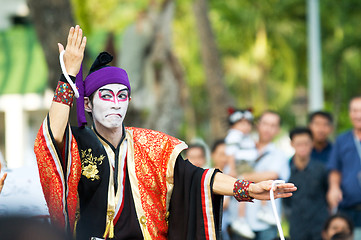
{"points": [[93, 82]]}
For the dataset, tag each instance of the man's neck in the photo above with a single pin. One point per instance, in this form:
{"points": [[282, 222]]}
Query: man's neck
{"points": [[112, 135], [358, 133], [260, 145], [319, 146], [301, 163]]}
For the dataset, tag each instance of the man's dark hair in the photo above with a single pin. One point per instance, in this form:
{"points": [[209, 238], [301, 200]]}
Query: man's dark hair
{"points": [[339, 215], [323, 114], [271, 112], [196, 145], [216, 144], [300, 130], [342, 236], [91, 98]]}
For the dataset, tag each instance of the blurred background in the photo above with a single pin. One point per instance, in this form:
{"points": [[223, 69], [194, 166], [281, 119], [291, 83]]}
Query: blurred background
{"points": [[188, 62]]}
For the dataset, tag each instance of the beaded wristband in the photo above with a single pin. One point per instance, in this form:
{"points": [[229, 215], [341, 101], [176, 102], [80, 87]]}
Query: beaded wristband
{"points": [[64, 94], [240, 191]]}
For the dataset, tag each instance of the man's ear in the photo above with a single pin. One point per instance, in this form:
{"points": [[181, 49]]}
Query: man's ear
{"points": [[88, 105], [130, 98]]}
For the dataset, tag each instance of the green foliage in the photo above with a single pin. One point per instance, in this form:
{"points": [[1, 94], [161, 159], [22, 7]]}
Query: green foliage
{"points": [[283, 66], [22, 62], [341, 56], [110, 15], [186, 48], [263, 46]]}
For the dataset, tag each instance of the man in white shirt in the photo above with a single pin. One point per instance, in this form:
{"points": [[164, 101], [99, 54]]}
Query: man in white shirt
{"points": [[270, 164]]}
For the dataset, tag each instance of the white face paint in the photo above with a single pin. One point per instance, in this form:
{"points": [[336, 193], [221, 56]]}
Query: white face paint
{"points": [[110, 104]]}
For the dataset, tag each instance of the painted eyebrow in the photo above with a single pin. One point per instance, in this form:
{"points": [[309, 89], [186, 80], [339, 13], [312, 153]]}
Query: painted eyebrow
{"points": [[124, 89], [106, 89]]}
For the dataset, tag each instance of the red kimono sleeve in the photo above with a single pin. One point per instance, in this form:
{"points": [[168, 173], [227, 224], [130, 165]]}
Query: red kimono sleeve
{"points": [[59, 181]]}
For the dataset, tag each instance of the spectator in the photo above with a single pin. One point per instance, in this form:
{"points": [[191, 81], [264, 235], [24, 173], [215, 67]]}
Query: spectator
{"points": [[308, 206], [270, 164], [219, 157], [220, 160], [345, 169], [242, 149], [196, 154], [337, 223], [321, 126]]}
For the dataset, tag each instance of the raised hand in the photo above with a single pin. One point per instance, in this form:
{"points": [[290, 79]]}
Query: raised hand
{"points": [[261, 190], [74, 50], [2, 179]]}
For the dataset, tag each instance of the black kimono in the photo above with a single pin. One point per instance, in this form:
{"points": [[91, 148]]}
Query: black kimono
{"points": [[141, 189]]}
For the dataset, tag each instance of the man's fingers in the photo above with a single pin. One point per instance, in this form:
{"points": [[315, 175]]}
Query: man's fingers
{"points": [[79, 38], [83, 44], [61, 47], [286, 190], [75, 36], [283, 195], [281, 187], [70, 36], [3, 178]]}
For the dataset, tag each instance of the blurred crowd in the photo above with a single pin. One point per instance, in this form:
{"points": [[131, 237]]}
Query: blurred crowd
{"points": [[327, 204]]}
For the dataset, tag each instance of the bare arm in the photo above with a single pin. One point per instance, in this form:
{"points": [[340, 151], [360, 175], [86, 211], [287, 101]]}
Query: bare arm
{"points": [[334, 194], [223, 185], [260, 176], [74, 52]]}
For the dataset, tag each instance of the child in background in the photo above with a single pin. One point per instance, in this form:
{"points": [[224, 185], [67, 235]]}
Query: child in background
{"points": [[242, 148], [240, 144]]}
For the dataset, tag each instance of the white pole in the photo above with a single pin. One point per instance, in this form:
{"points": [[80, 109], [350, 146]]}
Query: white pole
{"points": [[315, 89], [15, 122]]}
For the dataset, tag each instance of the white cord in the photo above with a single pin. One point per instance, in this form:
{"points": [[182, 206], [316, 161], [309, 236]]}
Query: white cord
{"points": [[280, 231], [66, 75]]}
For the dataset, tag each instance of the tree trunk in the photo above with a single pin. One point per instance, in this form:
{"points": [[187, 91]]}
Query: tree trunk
{"points": [[154, 71], [219, 97], [52, 20]]}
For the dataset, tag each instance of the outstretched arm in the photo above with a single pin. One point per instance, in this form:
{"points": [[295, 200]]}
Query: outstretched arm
{"points": [[223, 185], [2, 179], [260, 176], [73, 57]]}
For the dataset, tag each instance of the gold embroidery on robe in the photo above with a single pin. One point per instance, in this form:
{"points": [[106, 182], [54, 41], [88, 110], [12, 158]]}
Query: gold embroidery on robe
{"points": [[90, 164]]}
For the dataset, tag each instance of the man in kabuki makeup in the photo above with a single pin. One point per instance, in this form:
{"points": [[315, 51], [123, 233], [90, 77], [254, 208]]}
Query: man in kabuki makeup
{"points": [[109, 181]]}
